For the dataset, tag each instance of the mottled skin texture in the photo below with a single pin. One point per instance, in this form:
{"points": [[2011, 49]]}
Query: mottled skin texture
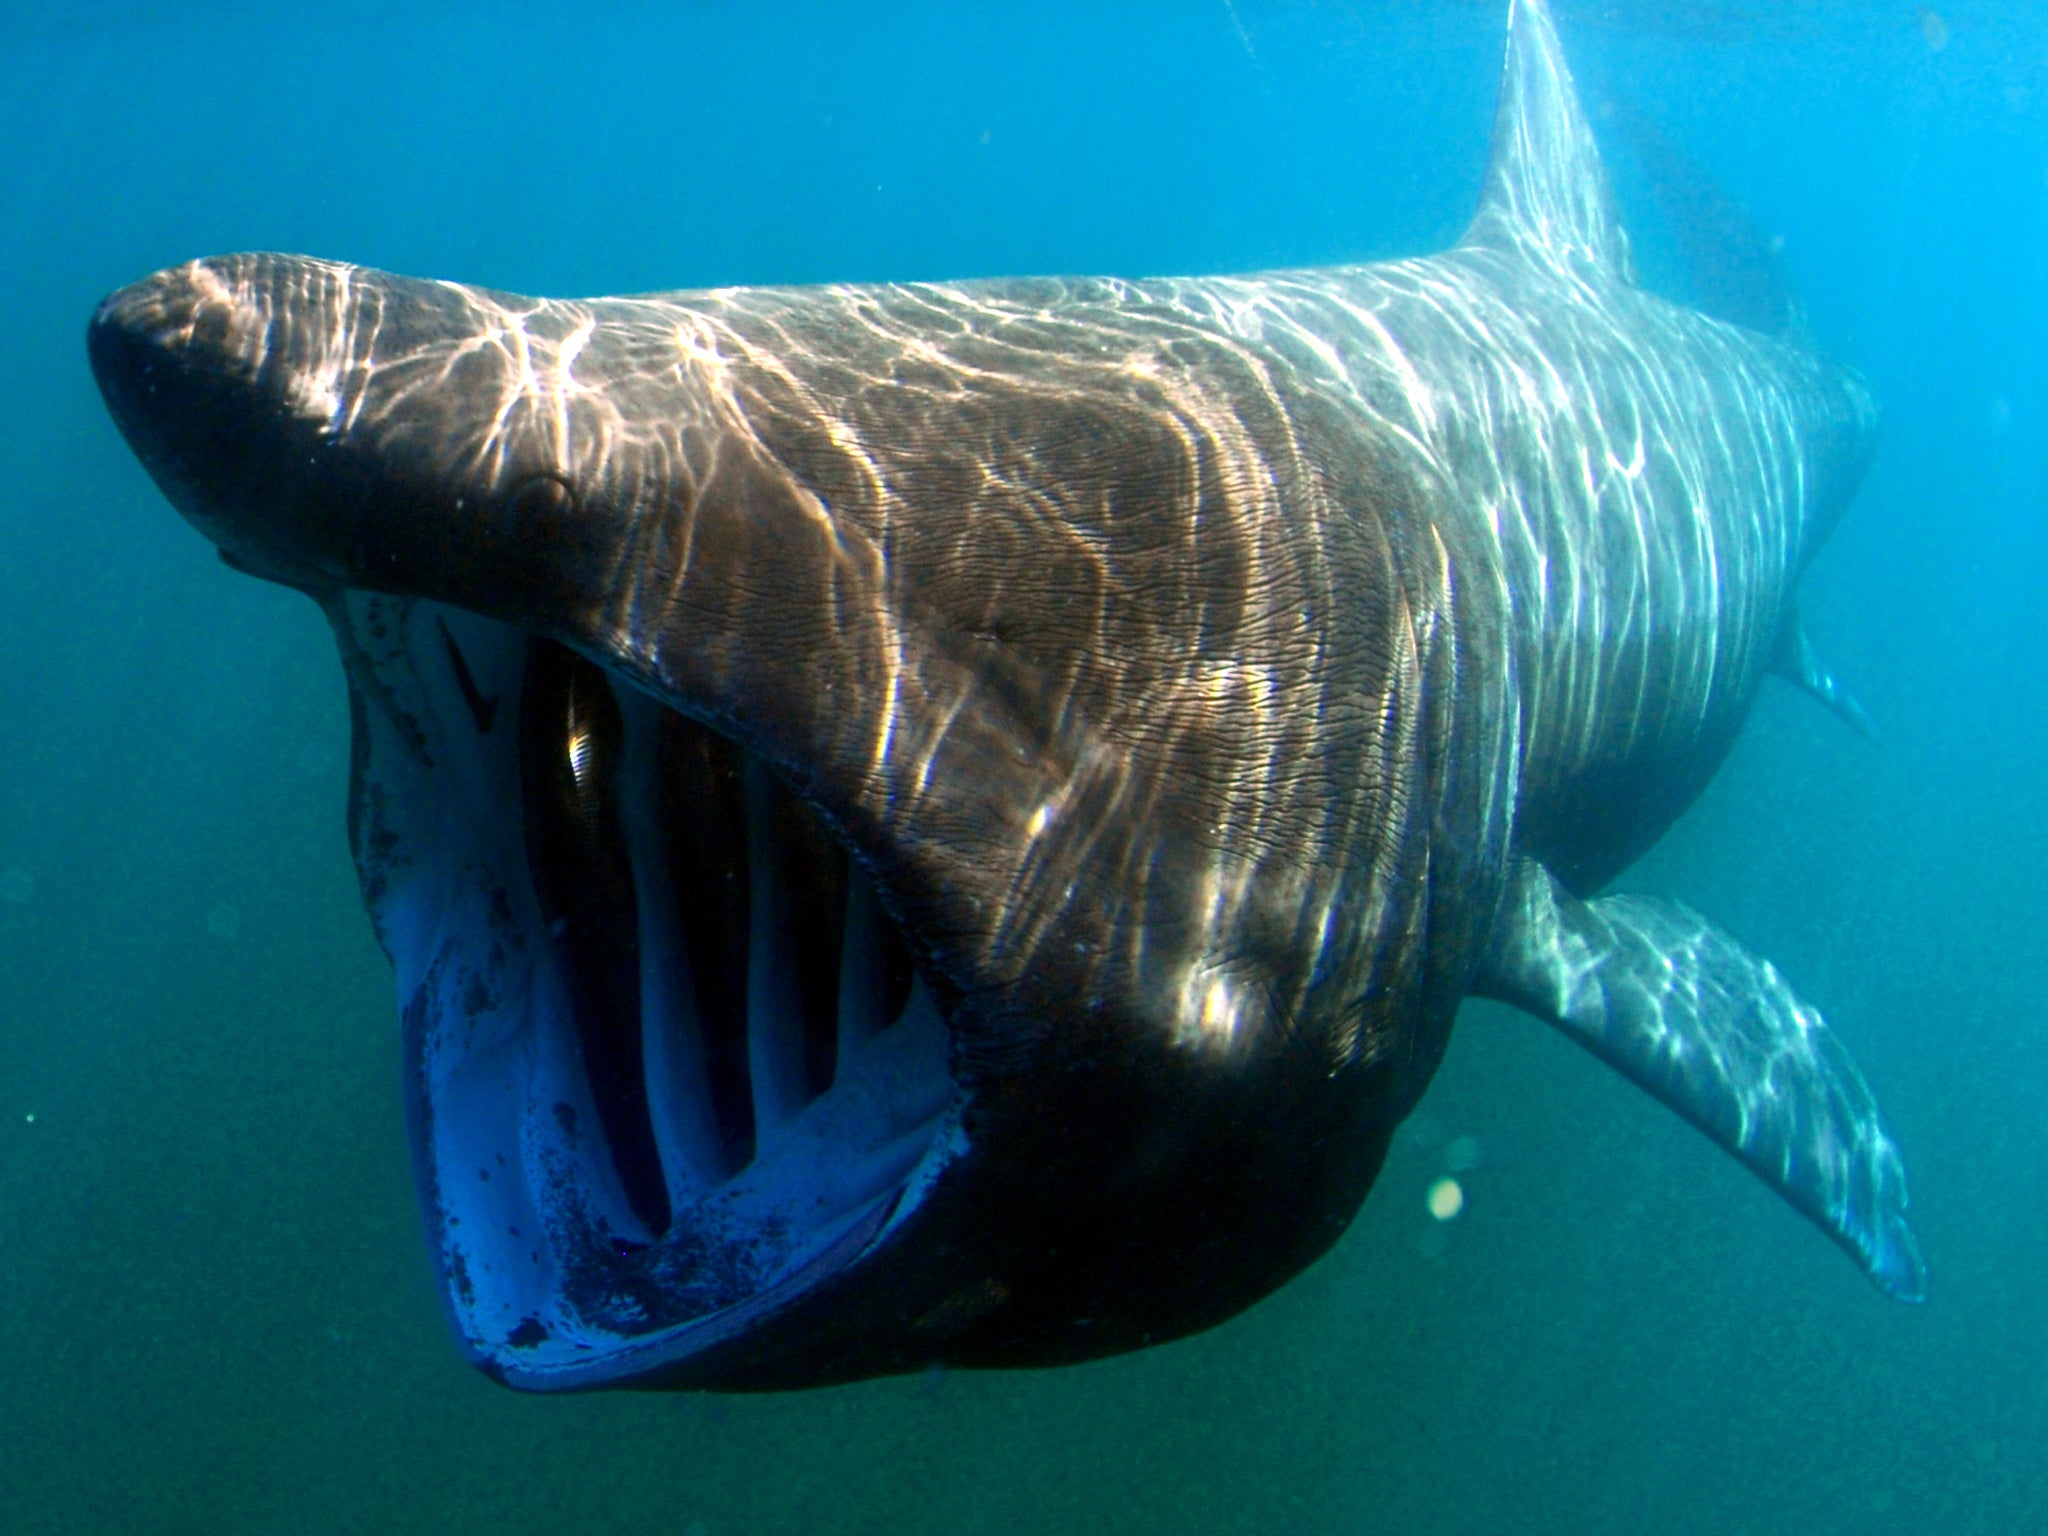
{"points": [[1193, 664], [1208, 536]]}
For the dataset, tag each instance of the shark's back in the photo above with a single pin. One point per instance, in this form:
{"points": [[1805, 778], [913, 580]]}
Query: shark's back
{"points": [[1649, 481], [1639, 484]]}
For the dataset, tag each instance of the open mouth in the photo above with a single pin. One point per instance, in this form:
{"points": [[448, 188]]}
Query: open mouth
{"points": [[670, 1062]]}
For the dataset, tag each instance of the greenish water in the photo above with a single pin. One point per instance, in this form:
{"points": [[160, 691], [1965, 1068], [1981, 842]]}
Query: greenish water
{"points": [[218, 1312]]}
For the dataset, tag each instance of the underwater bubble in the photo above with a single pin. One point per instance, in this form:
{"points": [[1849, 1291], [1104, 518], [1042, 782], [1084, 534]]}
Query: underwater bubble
{"points": [[1446, 1199], [1934, 29], [224, 921], [1462, 1155], [17, 885]]}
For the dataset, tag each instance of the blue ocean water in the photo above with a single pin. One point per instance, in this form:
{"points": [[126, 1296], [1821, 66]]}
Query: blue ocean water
{"points": [[218, 1312]]}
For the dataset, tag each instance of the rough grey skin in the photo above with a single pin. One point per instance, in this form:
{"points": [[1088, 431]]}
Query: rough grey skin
{"points": [[949, 822]]}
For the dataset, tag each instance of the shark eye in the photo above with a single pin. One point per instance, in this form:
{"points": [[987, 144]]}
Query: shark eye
{"points": [[540, 503]]}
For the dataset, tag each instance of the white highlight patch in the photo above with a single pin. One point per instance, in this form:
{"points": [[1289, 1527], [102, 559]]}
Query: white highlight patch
{"points": [[316, 395], [1219, 1011]]}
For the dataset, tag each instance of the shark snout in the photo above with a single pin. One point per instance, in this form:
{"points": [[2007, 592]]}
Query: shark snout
{"points": [[195, 364], [272, 399], [176, 355], [187, 346], [332, 427], [205, 311]]}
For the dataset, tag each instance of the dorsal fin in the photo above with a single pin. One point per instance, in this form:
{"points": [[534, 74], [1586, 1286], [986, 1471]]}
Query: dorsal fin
{"points": [[1546, 192]]}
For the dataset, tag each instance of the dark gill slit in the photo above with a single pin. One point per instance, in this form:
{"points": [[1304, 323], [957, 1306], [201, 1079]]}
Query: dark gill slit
{"points": [[703, 809], [876, 970], [775, 1014], [815, 866], [571, 742]]}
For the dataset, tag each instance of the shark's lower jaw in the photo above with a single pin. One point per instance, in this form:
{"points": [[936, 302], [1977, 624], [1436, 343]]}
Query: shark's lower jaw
{"points": [[669, 1063]]}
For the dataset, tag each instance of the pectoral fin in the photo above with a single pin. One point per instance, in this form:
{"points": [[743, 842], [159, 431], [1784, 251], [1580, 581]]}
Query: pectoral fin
{"points": [[1801, 665], [1685, 1012]]}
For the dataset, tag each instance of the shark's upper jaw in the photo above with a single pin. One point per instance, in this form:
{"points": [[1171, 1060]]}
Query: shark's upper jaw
{"points": [[669, 1063]]}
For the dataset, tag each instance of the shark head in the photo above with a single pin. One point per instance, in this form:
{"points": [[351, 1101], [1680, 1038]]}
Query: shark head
{"points": [[861, 897]]}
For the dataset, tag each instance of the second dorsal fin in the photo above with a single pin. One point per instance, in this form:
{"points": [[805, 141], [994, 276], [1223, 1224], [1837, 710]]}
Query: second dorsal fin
{"points": [[1546, 192]]}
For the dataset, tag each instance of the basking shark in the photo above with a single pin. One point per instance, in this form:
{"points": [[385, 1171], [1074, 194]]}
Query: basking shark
{"points": [[948, 823]]}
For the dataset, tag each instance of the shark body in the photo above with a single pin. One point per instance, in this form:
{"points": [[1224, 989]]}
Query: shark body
{"points": [[950, 822]]}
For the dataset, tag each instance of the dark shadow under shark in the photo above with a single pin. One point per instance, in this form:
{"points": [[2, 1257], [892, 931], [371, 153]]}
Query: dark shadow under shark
{"points": [[949, 822]]}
